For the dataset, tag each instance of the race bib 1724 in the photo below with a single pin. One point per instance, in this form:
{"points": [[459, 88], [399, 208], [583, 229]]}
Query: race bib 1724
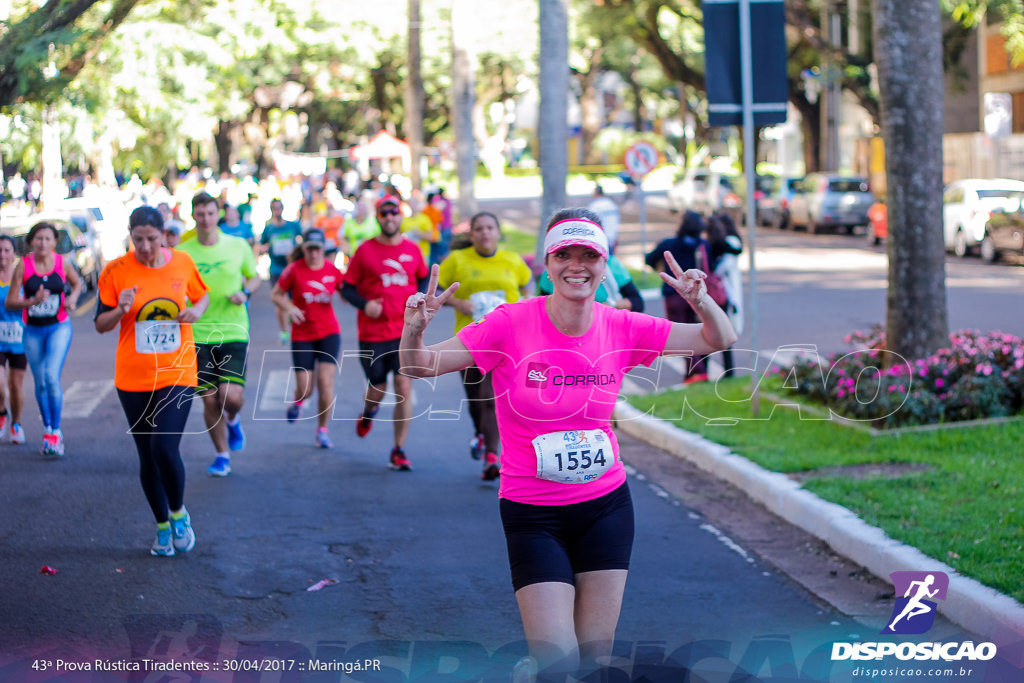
{"points": [[157, 336]]}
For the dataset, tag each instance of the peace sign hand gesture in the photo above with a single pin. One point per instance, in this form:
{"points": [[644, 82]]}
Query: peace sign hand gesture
{"points": [[421, 308], [689, 284]]}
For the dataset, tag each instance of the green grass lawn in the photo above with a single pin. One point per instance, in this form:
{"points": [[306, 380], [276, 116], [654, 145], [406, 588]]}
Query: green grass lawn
{"points": [[966, 509], [518, 241]]}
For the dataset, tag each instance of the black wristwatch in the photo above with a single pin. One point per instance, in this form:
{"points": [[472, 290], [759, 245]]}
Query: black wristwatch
{"points": [[248, 294]]}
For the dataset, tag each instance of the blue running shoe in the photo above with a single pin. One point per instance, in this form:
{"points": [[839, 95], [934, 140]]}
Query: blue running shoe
{"points": [[293, 412], [236, 437], [322, 440], [162, 546], [477, 447], [221, 467], [181, 529]]}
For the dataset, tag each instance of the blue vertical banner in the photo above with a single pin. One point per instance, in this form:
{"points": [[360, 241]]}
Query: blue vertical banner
{"points": [[768, 60]]}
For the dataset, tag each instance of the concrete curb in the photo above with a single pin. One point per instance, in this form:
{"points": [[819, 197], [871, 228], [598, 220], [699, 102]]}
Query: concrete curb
{"points": [[993, 616]]}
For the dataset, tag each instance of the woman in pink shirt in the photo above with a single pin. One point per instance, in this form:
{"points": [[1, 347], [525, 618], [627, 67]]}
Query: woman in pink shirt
{"points": [[557, 364]]}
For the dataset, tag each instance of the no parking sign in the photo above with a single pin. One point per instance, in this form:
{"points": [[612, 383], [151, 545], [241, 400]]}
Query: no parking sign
{"points": [[641, 158]]}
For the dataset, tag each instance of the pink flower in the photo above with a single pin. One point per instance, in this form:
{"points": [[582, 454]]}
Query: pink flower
{"points": [[939, 384]]}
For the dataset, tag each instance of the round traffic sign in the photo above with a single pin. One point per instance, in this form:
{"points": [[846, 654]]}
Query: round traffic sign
{"points": [[641, 158]]}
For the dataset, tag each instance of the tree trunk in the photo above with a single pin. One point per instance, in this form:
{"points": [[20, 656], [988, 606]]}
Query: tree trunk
{"points": [[414, 96], [810, 118], [639, 110], [590, 108], [908, 51], [552, 127], [223, 139], [463, 96]]}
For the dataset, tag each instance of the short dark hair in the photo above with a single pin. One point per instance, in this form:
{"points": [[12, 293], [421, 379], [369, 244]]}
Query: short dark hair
{"points": [[202, 198], [145, 215], [38, 227], [481, 214], [692, 225]]}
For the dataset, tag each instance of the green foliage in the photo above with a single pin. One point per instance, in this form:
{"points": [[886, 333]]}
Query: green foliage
{"points": [[965, 509], [1009, 13]]}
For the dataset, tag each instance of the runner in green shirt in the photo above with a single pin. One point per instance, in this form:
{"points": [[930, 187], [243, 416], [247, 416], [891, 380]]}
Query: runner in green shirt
{"points": [[360, 226], [228, 268]]}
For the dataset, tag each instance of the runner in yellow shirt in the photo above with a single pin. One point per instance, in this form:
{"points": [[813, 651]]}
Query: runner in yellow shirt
{"points": [[487, 277]]}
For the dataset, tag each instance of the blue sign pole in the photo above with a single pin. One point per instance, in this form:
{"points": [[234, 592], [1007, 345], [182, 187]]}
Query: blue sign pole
{"points": [[736, 60], [747, 78]]}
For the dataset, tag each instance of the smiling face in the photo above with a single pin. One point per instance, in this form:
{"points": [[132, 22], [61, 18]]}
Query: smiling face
{"points": [[575, 271], [389, 216]]}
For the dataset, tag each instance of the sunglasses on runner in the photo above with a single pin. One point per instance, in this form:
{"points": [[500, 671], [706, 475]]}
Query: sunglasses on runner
{"points": [[384, 213]]}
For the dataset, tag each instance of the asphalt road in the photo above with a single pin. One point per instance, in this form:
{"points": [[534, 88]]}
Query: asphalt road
{"points": [[422, 580]]}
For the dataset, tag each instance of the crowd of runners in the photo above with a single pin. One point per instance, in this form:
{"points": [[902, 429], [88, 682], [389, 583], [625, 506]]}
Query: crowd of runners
{"points": [[179, 302]]}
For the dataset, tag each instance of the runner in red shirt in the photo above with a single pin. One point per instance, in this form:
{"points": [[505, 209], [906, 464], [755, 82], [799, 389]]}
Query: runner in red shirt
{"points": [[304, 293], [382, 274]]}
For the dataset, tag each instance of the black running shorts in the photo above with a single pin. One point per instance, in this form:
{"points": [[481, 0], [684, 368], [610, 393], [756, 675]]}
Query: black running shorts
{"points": [[15, 361], [555, 542], [305, 354], [219, 363], [378, 359]]}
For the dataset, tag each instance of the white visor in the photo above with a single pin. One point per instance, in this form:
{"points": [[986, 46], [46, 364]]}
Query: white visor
{"points": [[576, 231]]}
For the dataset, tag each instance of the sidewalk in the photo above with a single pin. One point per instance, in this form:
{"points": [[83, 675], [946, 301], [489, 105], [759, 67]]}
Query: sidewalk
{"points": [[991, 615]]}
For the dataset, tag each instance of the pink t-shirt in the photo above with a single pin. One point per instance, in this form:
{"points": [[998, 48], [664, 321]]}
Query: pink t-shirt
{"points": [[548, 382]]}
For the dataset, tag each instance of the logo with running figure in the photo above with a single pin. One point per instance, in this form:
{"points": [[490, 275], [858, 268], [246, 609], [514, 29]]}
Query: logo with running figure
{"points": [[914, 612], [537, 374]]}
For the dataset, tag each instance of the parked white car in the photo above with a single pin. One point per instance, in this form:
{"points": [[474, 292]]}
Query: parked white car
{"points": [[967, 206], [110, 222], [703, 190]]}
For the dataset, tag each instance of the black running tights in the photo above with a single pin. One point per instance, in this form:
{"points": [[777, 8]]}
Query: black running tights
{"points": [[156, 420]]}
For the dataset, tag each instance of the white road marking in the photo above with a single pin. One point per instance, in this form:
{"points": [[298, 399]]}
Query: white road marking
{"points": [[82, 397], [276, 389], [728, 542]]}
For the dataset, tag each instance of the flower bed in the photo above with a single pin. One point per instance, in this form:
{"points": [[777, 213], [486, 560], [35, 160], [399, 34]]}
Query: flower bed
{"points": [[978, 376]]}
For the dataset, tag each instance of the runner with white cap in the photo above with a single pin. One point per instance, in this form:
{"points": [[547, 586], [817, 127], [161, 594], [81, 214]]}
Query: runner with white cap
{"points": [[557, 364]]}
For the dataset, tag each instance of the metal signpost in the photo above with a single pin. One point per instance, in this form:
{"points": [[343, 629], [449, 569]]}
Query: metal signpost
{"points": [[746, 85], [641, 158]]}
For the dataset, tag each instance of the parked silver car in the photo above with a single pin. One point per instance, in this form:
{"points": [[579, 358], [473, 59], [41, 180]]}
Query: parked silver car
{"points": [[831, 201], [773, 205]]}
